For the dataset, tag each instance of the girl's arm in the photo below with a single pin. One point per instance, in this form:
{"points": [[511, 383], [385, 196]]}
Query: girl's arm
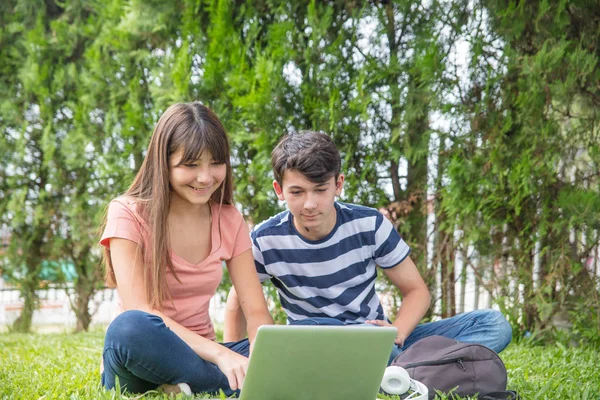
{"points": [[130, 285], [249, 292], [235, 322]]}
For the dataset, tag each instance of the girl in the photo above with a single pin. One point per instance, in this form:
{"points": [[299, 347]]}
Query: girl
{"points": [[165, 240]]}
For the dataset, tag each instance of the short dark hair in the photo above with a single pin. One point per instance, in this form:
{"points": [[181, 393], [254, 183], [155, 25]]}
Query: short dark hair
{"points": [[311, 153]]}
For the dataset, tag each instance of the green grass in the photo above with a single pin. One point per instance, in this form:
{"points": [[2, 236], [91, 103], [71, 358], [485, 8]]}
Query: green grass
{"points": [[66, 366]]}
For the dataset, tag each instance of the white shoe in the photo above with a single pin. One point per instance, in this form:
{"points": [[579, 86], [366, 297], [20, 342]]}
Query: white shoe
{"points": [[176, 389]]}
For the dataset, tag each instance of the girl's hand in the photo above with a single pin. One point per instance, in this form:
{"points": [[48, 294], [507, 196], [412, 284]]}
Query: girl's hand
{"points": [[400, 337], [234, 366]]}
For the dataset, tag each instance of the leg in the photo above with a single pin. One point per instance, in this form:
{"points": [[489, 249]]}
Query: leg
{"points": [[318, 321], [143, 353], [332, 321], [395, 353], [486, 327]]}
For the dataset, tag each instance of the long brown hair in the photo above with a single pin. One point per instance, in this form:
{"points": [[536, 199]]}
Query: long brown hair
{"points": [[194, 128]]}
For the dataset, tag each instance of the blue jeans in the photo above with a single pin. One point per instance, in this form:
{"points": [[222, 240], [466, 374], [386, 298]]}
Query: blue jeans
{"points": [[144, 353], [486, 327]]}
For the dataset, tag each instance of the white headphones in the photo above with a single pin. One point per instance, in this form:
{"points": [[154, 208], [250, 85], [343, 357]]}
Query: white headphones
{"points": [[397, 381]]}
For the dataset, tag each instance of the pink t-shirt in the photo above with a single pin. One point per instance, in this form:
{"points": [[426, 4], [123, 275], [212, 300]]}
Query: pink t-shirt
{"points": [[199, 282]]}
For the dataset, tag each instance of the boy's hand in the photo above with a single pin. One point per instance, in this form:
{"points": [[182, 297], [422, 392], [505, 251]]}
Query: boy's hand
{"points": [[400, 337]]}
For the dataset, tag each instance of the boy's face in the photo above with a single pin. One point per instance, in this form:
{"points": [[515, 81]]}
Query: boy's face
{"points": [[311, 204]]}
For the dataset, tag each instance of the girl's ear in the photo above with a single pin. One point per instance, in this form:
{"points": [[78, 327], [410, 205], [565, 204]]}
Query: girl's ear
{"points": [[278, 190], [339, 185]]}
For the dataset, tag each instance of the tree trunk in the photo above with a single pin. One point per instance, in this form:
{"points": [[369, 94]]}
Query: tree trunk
{"points": [[463, 281], [447, 254], [30, 283], [417, 145], [23, 322], [476, 264], [84, 291], [397, 189], [530, 309], [88, 277]]}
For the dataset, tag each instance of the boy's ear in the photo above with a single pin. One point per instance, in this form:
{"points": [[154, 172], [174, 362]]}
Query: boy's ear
{"points": [[339, 185], [278, 190]]}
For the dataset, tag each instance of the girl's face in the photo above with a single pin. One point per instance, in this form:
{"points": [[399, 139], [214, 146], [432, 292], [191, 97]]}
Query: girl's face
{"points": [[196, 181]]}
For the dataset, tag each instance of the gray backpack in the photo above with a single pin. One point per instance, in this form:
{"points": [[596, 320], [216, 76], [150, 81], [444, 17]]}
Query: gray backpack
{"points": [[450, 366]]}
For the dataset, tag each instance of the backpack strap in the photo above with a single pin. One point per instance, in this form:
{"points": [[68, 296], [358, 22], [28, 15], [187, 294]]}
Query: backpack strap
{"points": [[505, 395]]}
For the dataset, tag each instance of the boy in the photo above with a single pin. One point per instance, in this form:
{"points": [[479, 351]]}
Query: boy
{"points": [[322, 255]]}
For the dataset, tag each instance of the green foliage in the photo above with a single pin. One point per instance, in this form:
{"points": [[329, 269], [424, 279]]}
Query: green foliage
{"points": [[522, 182], [513, 164]]}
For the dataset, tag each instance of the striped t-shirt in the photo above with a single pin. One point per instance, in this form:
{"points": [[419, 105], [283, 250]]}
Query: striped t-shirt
{"points": [[334, 276]]}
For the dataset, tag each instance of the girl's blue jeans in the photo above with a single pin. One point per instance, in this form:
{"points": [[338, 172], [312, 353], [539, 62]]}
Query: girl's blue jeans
{"points": [[143, 353]]}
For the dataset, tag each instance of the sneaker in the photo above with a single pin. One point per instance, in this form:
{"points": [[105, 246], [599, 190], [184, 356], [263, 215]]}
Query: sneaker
{"points": [[176, 389]]}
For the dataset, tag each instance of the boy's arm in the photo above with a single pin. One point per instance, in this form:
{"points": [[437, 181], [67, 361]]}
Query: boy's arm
{"points": [[249, 293], [238, 324], [415, 298], [235, 322]]}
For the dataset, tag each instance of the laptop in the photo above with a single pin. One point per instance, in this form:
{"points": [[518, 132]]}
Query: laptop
{"points": [[317, 362]]}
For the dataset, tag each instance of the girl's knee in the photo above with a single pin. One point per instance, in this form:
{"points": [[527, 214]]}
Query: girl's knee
{"points": [[126, 335], [130, 325]]}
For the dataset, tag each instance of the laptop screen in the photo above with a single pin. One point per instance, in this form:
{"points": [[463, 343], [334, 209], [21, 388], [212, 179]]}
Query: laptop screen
{"points": [[317, 362]]}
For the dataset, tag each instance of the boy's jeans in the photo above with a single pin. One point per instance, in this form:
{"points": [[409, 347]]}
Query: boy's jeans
{"points": [[486, 327], [144, 353]]}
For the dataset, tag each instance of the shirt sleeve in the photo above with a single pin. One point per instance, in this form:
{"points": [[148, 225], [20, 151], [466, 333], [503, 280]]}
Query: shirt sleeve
{"points": [[390, 248], [259, 260], [121, 223]]}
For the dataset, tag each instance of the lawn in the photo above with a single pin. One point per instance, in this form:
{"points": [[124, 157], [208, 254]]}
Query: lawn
{"points": [[65, 366]]}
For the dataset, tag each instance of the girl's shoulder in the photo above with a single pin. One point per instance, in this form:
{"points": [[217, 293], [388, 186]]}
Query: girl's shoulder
{"points": [[228, 213], [125, 204], [125, 201], [227, 210]]}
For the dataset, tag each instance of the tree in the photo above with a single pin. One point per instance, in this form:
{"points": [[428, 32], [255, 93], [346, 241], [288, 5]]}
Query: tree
{"points": [[519, 172]]}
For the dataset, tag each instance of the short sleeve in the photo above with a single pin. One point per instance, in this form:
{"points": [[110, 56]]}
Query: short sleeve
{"points": [[259, 261], [242, 238], [121, 222], [390, 248]]}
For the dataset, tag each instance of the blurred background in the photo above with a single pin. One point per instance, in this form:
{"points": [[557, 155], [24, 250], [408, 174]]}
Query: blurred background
{"points": [[472, 124]]}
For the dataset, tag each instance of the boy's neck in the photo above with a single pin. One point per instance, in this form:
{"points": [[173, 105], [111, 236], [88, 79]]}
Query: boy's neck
{"points": [[316, 232]]}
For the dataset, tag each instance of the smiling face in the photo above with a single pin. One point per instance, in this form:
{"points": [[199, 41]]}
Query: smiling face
{"points": [[311, 204], [196, 181]]}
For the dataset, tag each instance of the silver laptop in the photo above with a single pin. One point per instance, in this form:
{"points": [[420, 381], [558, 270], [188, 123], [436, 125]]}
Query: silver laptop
{"points": [[317, 362]]}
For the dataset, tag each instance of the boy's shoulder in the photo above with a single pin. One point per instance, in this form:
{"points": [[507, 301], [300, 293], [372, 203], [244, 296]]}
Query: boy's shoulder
{"points": [[357, 208], [277, 224], [357, 213]]}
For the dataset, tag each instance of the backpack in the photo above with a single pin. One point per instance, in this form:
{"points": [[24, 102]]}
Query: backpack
{"points": [[445, 364]]}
